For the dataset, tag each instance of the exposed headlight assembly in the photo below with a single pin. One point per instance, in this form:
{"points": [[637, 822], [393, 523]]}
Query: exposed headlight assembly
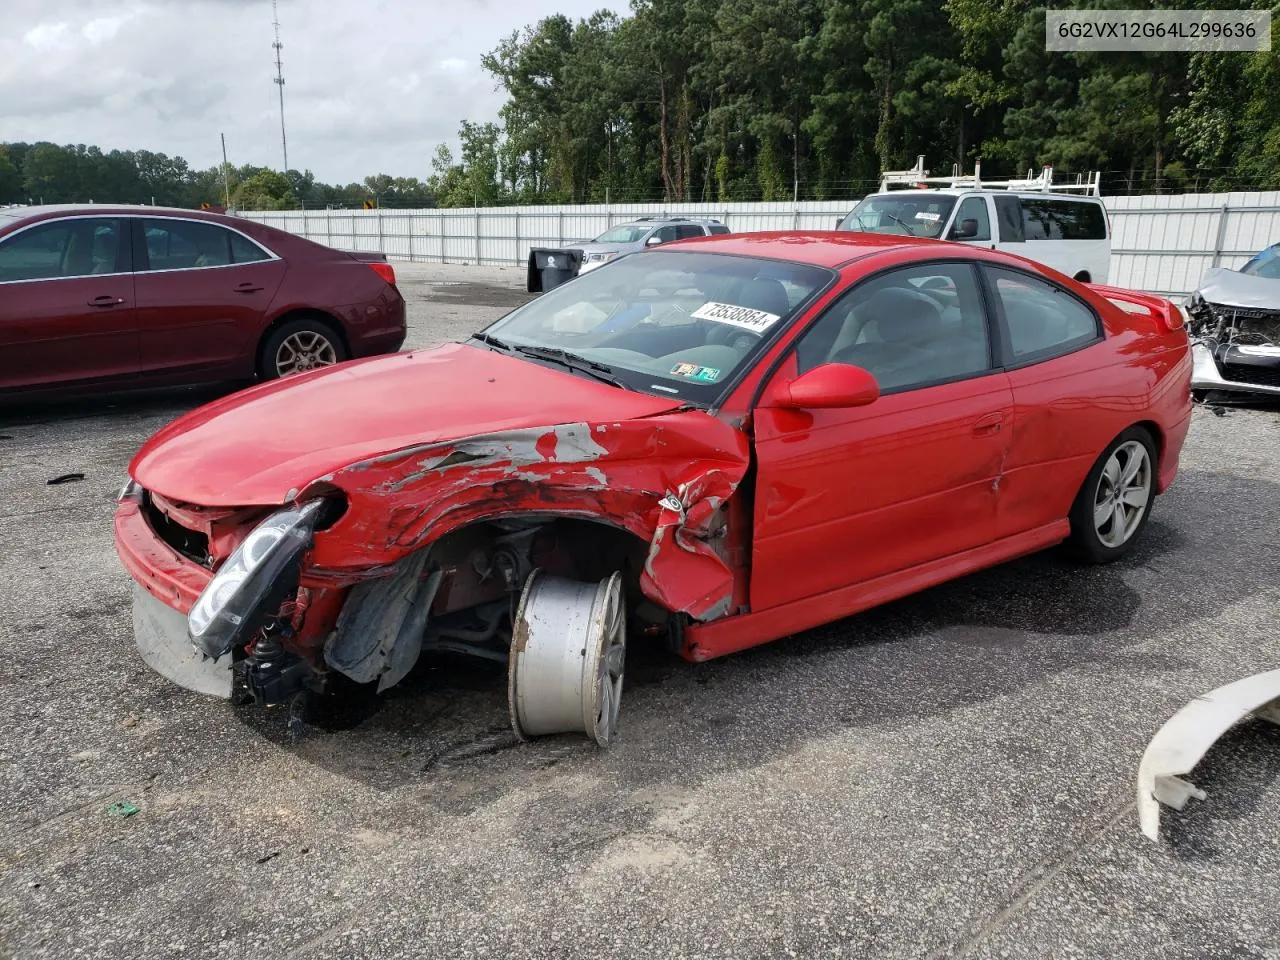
{"points": [[254, 581], [600, 257]]}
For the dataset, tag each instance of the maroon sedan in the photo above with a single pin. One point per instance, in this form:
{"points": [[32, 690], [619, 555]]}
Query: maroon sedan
{"points": [[99, 297]]}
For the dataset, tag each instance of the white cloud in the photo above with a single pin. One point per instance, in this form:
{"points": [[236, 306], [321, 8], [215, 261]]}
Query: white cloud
{"points": [[367, 89]]}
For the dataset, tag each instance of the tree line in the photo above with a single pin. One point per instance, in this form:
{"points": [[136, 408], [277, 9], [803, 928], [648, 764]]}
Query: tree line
{"points": [[51, 173], [727, 100], [778, 99]]}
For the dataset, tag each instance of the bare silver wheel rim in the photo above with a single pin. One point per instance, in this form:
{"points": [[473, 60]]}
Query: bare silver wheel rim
{"points": [[568, 651], [304, 350], [1123, 494]]}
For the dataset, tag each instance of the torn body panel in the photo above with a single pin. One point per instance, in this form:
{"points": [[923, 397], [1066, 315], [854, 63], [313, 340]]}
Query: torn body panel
{"points": [[662, 479], [1187, 737]]}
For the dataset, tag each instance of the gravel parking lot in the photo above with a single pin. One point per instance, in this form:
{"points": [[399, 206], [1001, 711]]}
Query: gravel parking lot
{"points": [[948, 776]]}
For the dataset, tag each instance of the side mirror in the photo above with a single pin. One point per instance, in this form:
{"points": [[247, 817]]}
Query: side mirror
{"points": [[965, 230], [829, 386], [653, 241], [839, 220]]}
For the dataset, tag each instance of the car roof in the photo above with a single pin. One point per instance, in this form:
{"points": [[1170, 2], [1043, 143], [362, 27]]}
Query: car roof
{"points": [[654, 221], [49, 210], [822, 248]]}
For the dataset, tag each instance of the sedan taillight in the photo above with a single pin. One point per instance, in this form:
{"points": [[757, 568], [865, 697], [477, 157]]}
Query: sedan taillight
{"points": [[385, 271]]}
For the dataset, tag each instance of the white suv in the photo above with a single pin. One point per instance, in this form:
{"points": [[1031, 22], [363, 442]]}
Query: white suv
{"points": [[1071, 234]]}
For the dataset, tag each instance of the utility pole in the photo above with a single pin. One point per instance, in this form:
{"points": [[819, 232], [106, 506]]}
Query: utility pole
{"points": [[275, 22], [226, 178]]}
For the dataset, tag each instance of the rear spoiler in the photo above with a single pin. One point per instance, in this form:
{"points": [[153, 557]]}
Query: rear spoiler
{"points": [[365, 256], [1163, 311]]}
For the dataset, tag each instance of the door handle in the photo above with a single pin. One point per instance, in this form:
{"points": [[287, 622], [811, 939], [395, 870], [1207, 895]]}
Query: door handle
{"points": [[988, 425], [105, 301], [247, 288]]}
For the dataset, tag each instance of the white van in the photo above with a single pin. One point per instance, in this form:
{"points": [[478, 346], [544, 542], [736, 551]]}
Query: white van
{"points": [[1064, 226]]}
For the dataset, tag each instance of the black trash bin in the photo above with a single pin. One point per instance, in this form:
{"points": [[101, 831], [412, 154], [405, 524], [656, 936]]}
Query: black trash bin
{"points": [[548, 268]]}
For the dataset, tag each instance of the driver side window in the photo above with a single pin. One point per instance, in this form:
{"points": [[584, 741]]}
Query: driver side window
{"points": [[911, 327], [975, 209]]}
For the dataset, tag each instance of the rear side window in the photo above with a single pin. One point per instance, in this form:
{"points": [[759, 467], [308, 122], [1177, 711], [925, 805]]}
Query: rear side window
{"points": [[1049, 218], [718, 229], [684, 233], [244, 250], [1009, 216], [194, 244], [1041, 320], [63, 249]]}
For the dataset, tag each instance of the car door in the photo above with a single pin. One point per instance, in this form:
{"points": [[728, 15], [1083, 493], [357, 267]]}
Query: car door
{"points": [[972, 223], [203, 291], [1010, 236], [847, 495], [67, 304], [1049, 341], [662, 235]]}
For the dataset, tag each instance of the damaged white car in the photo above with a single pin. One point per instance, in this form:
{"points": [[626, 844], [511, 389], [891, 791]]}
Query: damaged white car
{"points": [[1235, 328]]}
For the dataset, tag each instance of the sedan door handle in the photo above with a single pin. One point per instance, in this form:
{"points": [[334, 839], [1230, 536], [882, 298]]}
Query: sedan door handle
{"points": [[248, 288], [105, 301], [988, 425]]}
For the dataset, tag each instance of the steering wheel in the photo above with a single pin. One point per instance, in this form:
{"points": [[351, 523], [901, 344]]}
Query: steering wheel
{"points": [[727, 335]]}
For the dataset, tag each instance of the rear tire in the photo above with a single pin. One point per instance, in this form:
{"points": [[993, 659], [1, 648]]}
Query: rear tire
{"points": [[1083, 277], [1115, 502], [296, 346]]}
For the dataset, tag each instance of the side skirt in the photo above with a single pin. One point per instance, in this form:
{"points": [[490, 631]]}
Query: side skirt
{"points": [[706, 641]]}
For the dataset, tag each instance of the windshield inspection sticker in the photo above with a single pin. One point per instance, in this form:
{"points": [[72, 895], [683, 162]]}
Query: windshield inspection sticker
{"points": [[757, 321], [931, 217], [691, 371]]}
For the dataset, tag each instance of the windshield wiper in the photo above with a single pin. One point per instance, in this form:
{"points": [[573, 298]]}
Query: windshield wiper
{"points": [[600, 371], [491, 341], [905, 226]]}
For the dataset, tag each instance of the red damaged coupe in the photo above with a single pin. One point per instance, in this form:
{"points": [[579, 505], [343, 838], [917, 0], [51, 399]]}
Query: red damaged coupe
{"points": [[96, 298], [717, 442]]}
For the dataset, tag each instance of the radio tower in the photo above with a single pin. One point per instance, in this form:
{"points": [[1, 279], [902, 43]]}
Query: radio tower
{"points": [[275, 22]]}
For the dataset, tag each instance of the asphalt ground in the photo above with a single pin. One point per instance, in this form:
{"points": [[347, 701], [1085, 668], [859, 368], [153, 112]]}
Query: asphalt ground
{"points": [[951, 775]]}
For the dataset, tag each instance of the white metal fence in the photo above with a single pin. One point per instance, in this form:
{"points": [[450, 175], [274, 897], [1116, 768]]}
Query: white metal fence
{"points": [[1161, 244]]}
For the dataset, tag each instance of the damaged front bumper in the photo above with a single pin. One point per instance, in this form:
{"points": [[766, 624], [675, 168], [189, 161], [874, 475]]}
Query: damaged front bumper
{"points": [[160, 633], [1235, 368], [165, 586]]}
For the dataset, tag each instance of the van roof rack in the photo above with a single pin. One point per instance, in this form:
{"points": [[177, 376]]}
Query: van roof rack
{"points": [[918, 177]]}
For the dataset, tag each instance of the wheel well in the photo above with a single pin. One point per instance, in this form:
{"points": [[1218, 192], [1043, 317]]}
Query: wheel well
{"points": [[575, 547], [305, 313], [1157, 437]]}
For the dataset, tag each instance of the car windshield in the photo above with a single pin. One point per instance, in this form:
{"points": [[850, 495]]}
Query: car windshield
{"points": [[666, 322], [913, 213], [623, 234], [1265, 264]]}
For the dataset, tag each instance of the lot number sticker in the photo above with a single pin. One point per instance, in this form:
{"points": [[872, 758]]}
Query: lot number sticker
{"points": [[757, 321]]}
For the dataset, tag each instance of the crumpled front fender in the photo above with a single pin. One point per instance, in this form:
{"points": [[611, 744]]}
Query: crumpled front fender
{"points": [[662, 478]]}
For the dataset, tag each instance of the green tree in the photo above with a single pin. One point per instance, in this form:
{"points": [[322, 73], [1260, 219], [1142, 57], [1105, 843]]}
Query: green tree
{"points": [[264, 190]]}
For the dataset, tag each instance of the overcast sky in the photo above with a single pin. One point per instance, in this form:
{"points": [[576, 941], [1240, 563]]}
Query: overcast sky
{"points": [[371, 86]]}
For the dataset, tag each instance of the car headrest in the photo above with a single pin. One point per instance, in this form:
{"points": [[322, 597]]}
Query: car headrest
{"points": [[763, 293], [897, 314]]}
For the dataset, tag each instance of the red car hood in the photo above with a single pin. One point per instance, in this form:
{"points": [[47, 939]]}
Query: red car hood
{"points": [[262, 445]]}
